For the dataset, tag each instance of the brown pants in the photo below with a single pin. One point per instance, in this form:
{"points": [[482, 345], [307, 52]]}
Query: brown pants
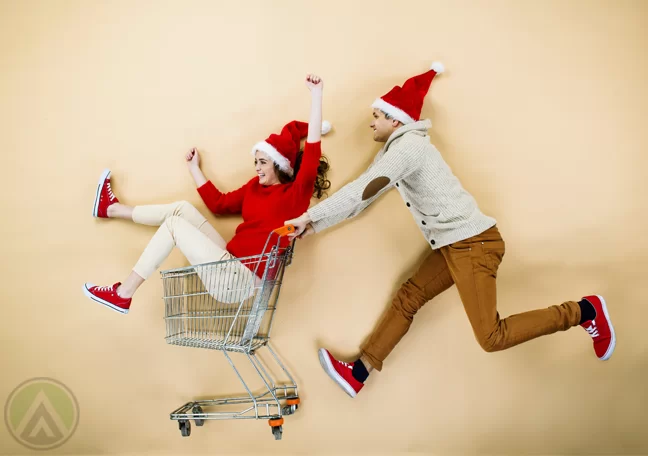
{"points": [[471, 265]]}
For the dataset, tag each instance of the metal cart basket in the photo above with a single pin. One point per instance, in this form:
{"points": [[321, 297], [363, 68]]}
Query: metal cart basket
{"points": [[227, 306]]}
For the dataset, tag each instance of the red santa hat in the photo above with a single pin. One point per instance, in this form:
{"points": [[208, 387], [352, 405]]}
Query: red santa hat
{"points": [[405, 103], [283, 148]]}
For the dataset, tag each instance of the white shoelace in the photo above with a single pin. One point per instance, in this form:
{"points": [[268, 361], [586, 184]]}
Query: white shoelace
{"points": [[345, 364], [592, 330], [104, 288], [111, 195]]}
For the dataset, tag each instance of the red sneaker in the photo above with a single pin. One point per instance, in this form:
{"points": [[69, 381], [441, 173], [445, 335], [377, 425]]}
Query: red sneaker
{"points": [[600, 328], [340, 372], [105, 196], [108, 297]]}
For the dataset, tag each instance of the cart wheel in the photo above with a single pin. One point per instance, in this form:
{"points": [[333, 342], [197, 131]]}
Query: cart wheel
{"points": [[185, 427], [277, 428], [292, 404], [277, 431], [289, 409], [198, 410]]}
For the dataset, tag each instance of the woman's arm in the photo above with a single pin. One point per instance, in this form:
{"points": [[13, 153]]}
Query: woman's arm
{"points": [[307, 175], [316, 87], [223, 203], [193, 163], [215, 200]]}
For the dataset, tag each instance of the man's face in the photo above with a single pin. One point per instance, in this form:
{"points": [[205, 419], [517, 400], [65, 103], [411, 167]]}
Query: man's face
{"points": [[383, 127]]}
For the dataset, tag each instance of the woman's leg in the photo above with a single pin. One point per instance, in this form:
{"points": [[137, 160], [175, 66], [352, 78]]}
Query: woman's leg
{"points": [[196, 246], [119, 210], [176, 231], [156, 214], [107, 205]]}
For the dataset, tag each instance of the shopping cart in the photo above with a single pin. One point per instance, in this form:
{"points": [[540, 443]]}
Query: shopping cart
{"points": [[227, 306]]}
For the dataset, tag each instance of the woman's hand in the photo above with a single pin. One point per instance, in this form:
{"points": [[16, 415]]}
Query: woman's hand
{"points": [[193, 159], [314, 83]]}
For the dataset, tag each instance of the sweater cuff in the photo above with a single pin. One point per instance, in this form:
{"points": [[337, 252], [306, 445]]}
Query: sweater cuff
{"points": [[205, 188], [313, 147], [318, 227], [316, 213]]}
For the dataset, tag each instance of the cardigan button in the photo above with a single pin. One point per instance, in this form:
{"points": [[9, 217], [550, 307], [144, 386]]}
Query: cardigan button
{"points": [[397, 184], [408, 204], [432, 242], [423, 222]]}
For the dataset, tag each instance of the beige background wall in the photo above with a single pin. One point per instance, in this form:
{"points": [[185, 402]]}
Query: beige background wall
{"points": [[541, 113]]}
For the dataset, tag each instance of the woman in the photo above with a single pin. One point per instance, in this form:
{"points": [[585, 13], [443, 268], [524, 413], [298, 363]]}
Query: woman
{"points": [[285, 182]]}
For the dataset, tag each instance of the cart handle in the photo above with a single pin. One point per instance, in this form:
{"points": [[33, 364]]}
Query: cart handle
{"points": [[285, 230]]}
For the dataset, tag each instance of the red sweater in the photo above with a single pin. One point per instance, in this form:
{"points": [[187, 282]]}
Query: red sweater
{"points": [[264, 208]]}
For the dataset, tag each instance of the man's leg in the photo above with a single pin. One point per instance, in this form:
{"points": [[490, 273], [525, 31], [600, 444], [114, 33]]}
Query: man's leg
{"points": [[431, 279], [473, 265]]}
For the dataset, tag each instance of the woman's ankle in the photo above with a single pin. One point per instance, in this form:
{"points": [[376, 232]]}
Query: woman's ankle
{"points": [[120, 210], [113, 210], [129, 286], [125, 293]]}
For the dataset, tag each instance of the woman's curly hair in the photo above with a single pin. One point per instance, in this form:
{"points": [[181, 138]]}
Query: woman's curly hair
{"points": [[321, 183]]}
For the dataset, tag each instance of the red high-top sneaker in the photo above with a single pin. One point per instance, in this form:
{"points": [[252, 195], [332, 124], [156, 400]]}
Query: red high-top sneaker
{"points": [[105, 196]]}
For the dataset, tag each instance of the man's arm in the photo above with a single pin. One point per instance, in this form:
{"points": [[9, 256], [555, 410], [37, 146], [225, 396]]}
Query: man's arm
{"points": [[331, 220], [304, 226], [396, 164], [353, 198]]}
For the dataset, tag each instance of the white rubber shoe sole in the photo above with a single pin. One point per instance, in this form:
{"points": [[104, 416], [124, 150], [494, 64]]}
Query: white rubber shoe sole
{"points": [[612, 346], [105, 175], [325, 361]]}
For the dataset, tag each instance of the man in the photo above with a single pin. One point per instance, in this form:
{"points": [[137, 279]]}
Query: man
{"points": [[467, 247]]}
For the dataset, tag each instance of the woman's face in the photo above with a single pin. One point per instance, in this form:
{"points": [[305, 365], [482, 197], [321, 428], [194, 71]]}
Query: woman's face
{"points": [[265, 169]]}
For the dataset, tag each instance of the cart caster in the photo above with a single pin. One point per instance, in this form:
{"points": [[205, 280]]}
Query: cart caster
{"points": [[277, 428], [292, 404], [288, 410], [185, 427], [198, 410]]}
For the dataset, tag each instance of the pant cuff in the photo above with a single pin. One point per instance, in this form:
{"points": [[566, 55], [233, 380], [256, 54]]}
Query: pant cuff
{"points": [[376, 364]]}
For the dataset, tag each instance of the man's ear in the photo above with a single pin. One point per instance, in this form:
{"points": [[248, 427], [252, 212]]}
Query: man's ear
{"points": [[396, 123]]}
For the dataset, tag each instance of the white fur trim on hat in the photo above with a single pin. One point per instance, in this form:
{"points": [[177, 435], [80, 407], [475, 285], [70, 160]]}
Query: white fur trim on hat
{"points": [[393, 111], [437, 67], [274, 155], [326, 127]]}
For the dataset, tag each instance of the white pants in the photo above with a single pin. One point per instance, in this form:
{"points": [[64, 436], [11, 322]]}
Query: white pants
{"points": [[183, 226]]}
